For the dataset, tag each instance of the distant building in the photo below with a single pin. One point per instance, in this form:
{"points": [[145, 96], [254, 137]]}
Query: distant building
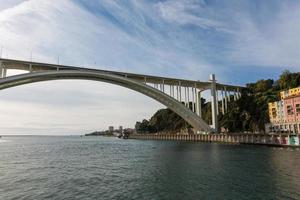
{"points": [[120, 129], [111, 129], [285, 114]]}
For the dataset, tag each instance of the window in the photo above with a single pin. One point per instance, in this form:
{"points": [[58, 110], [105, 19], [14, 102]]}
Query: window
{"points": [[298, 108], [289, 110], [274, 113]]}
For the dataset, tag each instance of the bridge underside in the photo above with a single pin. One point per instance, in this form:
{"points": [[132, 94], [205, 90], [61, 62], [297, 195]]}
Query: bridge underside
{"points": [[176, 106]]}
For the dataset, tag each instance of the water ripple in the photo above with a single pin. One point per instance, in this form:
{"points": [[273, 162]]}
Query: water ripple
{"points": [[108, 168]]}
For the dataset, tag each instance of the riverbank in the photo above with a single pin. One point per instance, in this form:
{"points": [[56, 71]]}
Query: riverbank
{"points": [[249, 139]]}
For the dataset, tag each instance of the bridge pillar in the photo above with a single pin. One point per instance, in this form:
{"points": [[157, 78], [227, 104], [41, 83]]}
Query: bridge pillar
{"points": [[4, 72], [1, 69], [30, 68], [214, 104], [234, 96], [185, 96], [238, 93], [226, 98], [223, 106], [217, 100], [179, 87], [199, 111], [173, 91], [193, 99], [188, 97]]}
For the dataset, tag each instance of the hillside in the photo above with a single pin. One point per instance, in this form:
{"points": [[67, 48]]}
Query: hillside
{"points": [[249, 113]]}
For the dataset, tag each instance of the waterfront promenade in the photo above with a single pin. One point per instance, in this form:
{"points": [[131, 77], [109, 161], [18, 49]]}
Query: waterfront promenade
{"points": [[256, 139]]}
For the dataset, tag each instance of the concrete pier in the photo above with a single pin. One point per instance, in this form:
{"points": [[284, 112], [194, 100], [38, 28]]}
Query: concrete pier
{"points": [[255, 139]]}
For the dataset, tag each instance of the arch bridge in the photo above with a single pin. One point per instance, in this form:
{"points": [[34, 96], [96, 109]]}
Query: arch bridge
{"points": [[180, 95]]}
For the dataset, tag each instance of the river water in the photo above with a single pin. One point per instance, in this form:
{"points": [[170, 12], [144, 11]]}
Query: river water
{"points": [[35, 167]]}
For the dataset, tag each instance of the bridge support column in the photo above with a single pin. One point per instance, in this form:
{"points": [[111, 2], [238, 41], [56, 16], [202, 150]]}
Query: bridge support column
{"points": [[199, 111], [1, 69], [238, 93], [188, 97], [180, 96], [185, 96], [173, 91], [177, 94], [193, 99], [30, 68], [226, 98], [214, 104], [4, 72], [234, 96], [217, 100], [223, 106]]}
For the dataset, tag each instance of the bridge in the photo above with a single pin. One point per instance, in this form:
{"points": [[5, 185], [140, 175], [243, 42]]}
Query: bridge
{"points": [[181, 96]]}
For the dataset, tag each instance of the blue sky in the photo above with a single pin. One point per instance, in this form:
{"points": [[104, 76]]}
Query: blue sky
{"points": [[239, 41]]}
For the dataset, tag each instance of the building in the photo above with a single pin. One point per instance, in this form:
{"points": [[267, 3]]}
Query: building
{"points": [[276, 113], [120, 129], [110, 129], [292, 113], [289, 93], [285, 114]]}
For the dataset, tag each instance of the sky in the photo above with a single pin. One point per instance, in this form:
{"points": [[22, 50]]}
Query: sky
{"points": [[240, 41]]}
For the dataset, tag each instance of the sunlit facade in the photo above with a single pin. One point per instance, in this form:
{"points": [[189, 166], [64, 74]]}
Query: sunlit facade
{"points": [[276, 113], [285, 114], [288, 93]]}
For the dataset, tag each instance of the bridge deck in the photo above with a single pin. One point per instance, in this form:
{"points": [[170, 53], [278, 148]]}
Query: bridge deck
{"points": [[36, 66]]}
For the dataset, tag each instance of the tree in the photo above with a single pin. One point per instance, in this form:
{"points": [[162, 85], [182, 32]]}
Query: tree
{"points": [[249, 113]]}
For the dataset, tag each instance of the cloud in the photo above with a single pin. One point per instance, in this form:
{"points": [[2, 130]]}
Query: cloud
{"points": [[275, 43], [9, 3], [186, 39], [187, 13], [79, 38]]}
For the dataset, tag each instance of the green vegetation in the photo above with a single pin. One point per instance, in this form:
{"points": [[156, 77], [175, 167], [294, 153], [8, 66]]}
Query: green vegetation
{"points": [[162, 120], [248, 114]]}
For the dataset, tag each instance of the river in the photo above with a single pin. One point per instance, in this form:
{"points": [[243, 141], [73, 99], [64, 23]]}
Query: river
{"points": [[73, 167]]}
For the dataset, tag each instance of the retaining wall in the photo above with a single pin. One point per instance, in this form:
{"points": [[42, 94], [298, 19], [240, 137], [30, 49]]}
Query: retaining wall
{"points": [[263, 139]]}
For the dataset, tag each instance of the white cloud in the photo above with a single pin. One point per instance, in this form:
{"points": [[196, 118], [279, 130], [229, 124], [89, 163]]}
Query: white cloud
{"points": [[79, 38], [189, 12], [142, 37], [9, 3], [272, 44]]}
